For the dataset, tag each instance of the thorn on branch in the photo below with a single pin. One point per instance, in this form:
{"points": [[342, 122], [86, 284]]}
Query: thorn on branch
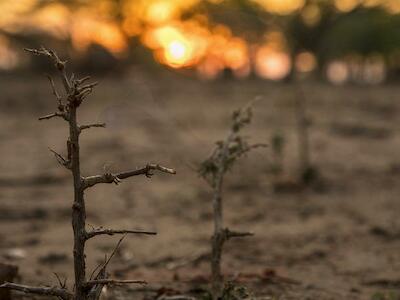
{"points": [[112, 178], [63, 284], [89, 86], [102, 271], [100, 274], [61, 159], [83, 94], [82, 80]]}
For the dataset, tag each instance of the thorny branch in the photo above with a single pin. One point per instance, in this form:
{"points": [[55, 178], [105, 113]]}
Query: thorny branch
{"points": [[213, 170], [228, 151], [116, 178], [59, 64], [75, 92]]}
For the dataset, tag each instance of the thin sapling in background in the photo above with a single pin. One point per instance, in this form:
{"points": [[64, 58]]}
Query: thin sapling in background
{"points": [[213, 170]]}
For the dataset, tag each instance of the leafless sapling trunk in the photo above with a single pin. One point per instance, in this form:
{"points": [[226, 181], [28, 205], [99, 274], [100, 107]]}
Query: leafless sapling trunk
{"points": [[213, 170], [7, 273], [278, 145], [76, 90], [306, 172]]}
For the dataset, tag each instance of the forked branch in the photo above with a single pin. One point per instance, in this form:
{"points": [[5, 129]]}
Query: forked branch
{"points": [[58, 63]]}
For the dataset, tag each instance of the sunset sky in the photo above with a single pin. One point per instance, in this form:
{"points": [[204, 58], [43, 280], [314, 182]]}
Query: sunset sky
{"points": [[195, 42]]}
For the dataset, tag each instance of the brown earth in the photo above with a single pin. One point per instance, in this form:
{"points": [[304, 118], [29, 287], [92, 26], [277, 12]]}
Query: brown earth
{"points": [[339, 239]]}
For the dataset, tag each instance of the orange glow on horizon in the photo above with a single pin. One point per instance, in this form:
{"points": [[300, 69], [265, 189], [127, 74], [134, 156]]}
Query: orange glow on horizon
{"points": [[190, 43], [85, 30], [54, 18]]}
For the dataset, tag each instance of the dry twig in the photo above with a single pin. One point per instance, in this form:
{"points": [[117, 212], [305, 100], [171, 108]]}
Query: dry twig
{"points": [[96, 232], [47, 291]]}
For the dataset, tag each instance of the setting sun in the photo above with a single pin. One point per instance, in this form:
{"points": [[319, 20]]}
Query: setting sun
{"points": [[177, 53]]}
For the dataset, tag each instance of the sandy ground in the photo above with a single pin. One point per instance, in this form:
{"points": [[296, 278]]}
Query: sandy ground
{"points": [[338, 240]]}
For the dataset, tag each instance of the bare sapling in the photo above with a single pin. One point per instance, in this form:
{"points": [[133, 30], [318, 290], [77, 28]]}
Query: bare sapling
{"points": [[306, 172], [76, 91], [213, 170], [278, 147]]}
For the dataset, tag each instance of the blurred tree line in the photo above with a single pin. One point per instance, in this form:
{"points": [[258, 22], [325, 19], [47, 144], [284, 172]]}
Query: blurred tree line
{"points": [[318, 27]]}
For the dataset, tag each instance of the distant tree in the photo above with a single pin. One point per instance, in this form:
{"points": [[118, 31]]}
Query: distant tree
{"points": [[362, 31], [245, 18]]}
